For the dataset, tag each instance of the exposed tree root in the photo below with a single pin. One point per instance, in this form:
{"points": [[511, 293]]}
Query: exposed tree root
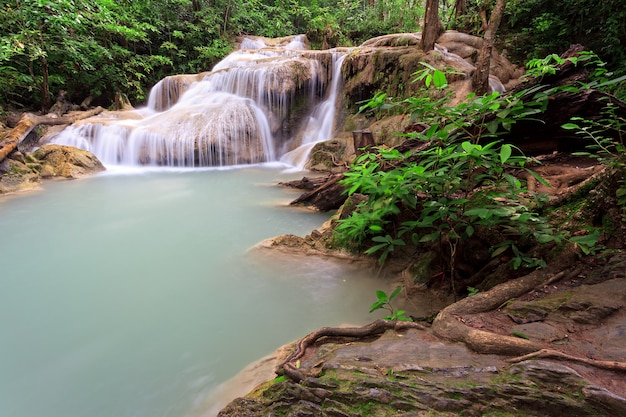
{"points": [[292, 371], [328, 196], [554, 354], [448, 324], [30, 121]]}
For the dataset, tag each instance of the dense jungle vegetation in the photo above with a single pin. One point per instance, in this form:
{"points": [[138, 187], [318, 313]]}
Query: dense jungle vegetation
{"points": [[98, 48]]}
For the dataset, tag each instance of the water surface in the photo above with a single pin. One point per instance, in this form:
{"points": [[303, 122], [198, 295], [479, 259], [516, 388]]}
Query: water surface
{"points": [[133, 295]]}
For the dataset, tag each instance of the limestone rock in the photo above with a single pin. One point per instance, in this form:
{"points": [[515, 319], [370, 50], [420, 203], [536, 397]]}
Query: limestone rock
{"points": [[388, 63], [66, 162], [386, 130], [587, 304], [331, 155], [18, 173]]}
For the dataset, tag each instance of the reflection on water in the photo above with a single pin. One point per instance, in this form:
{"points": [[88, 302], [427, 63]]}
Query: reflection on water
{"points": [[134, 295]]}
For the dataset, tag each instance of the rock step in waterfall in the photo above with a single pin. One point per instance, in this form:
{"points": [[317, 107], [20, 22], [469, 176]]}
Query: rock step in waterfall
{"points": [[259, 104], [271, 100]]}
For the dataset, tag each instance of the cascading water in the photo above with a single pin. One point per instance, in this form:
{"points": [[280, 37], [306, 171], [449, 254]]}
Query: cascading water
{"points": [[321, 122], [247, 110]]}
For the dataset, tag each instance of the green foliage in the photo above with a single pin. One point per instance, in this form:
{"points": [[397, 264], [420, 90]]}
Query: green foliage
{"points": [[519, 334], [101, 47], [431, 75], [463, 181], [471, 291], [279, 379], [386, 244], [384, 302], [536, 28], [376, 105], [607, 138], [551, 63]]}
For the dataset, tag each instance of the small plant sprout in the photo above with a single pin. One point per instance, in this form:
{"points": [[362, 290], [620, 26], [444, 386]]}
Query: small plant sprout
{"points": [[384, 302], [472, 291]]}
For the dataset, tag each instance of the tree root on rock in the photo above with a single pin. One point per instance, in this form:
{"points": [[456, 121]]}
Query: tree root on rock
{"points": [[554, 354], [448, 324], [289, 369]]}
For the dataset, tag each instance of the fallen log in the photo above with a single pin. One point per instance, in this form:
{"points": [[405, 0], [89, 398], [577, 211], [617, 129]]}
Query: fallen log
{"points": [[30, 121], [328, 196], [306, 183]]}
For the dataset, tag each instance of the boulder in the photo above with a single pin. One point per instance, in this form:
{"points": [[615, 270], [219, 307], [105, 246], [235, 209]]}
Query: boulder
{"points": [[388, 64], [66, 162]]}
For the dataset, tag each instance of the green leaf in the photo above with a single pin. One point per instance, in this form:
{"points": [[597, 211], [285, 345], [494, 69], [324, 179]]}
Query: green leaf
{"points": [[538, 177], [377, 305], [376, 248], [586, 242], [468, 146], [431, 237], [492, 126], [514, 182], [505, 153], [499, 251], [396, 292], [439, 79], [483, 213], [544, 238], [570, 126]]}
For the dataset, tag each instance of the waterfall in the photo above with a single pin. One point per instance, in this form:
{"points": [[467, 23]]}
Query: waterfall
{"points": [[320, 124], [247, 110]]}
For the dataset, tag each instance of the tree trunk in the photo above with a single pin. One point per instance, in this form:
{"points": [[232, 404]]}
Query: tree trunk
{"points": [[460, 8], [45, 87], [482, 13], [432, 26], [480, 79]]}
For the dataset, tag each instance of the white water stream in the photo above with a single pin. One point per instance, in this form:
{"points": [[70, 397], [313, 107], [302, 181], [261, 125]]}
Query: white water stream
{"points": [[259, 104], [134, 295]]}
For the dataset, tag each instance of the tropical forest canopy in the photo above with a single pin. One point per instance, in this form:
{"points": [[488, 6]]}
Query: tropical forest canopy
{"points": [[97, 48]]}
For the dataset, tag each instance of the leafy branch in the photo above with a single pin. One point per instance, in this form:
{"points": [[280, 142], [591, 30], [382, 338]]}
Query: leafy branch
{"points": [[384, 302]]}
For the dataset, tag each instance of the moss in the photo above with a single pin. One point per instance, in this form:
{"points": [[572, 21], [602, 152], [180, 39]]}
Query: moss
{"points": [[519, 334], [18, 170]]}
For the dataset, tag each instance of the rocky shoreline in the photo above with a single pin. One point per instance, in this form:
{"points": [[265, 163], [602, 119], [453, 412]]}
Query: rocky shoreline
{"points": [[417, 373]]}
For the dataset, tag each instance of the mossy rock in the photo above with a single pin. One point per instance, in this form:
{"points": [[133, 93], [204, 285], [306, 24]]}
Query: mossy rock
{"points": [[16, 174], [67, 162], [331, 156]]}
